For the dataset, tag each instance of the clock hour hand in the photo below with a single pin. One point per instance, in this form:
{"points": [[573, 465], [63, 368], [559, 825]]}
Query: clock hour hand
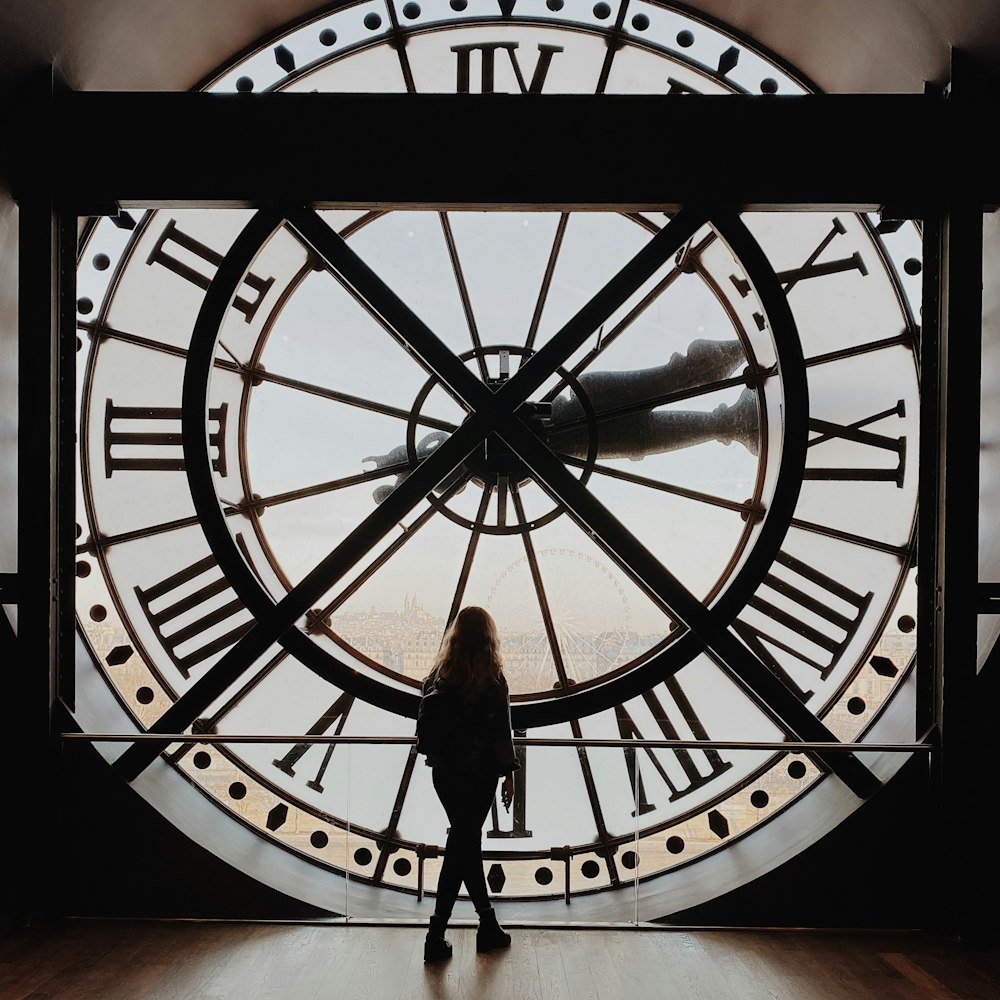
{"points": [[400, 455], [639, 432], [652, 430]]}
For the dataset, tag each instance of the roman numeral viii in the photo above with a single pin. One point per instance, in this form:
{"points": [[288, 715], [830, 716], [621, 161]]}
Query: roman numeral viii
{"points": [[801, 619]]}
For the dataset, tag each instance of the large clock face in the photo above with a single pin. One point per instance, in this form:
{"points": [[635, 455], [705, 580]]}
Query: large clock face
{"points": [[672, 454]]}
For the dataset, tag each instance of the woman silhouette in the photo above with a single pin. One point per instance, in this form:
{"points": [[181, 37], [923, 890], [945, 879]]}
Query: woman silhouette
{"points": [[467, 679]]}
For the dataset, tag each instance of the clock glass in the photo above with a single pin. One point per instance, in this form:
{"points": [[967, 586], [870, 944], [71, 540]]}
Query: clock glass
{"points": [[672, 453]]}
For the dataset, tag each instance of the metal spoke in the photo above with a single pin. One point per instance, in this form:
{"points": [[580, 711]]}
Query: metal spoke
{"points": [[745, 509], [614, 43], [900, 551], [503, 489], [543, 601], [257, 504], [543, 292], [94, 545], [399, 44], [343, 397], [275, 499], [463, 291], [904, 339], [470, 555], [98, 329]]}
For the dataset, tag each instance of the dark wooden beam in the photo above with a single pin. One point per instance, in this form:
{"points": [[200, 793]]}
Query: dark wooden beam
{"points": [[906, 152]]}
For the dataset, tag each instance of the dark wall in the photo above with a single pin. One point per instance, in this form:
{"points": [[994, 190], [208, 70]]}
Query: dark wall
{"points": [[876, 869], [121, 858]]}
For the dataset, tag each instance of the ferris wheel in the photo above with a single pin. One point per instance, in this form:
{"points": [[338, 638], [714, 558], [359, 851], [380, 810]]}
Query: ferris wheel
{"points": [[586, 617]]}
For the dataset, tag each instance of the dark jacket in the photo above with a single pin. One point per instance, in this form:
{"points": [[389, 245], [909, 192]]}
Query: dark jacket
{"points": [[477, 735]]}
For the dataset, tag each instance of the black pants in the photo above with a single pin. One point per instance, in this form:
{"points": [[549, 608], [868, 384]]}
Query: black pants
{"points": [[466, 799]]}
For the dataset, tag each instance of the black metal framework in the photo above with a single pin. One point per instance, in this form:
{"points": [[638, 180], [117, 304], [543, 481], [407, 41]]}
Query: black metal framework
{"points": [[198, 128], [273, 622], [39, 660]]}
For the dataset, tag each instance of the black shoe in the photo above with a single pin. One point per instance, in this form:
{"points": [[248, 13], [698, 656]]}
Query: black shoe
{"points": [[490, 936], [436, 946]]}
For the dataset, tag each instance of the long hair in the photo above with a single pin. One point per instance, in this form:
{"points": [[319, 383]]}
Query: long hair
{"points": [[469, 658]]}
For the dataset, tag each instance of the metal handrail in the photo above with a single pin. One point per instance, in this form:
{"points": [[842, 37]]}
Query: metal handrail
{"points": [[674, 744]]}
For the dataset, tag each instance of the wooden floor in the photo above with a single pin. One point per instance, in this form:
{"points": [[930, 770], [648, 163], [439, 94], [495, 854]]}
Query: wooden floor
{"points": [[144, 960]]}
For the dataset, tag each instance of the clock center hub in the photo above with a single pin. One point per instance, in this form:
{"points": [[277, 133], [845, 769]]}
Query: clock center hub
{"points": [[494, 460]]}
